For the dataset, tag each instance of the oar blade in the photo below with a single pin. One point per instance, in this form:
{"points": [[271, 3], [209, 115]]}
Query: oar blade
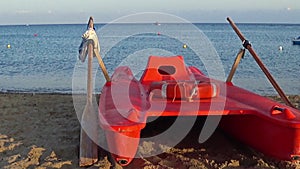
{"points": [[88, 148]]}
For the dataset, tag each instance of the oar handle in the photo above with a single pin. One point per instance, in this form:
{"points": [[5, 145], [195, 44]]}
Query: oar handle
{"points": [[91, 23], [248, 46]]}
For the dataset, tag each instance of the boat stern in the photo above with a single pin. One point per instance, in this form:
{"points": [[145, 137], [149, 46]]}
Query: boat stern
{"points": [[123, 143]]}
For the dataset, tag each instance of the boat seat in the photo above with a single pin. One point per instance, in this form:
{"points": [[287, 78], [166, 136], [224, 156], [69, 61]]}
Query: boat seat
{"points": [[164, 68]]}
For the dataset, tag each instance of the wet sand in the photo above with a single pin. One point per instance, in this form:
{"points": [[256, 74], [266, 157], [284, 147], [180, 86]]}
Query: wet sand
{"points": [[42, 131]]}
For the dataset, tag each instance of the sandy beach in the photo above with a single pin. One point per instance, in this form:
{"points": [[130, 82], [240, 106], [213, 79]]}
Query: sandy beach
{"points": [[42, 131]]}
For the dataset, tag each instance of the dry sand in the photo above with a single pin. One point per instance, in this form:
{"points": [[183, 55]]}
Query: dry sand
{"points": [[42, 131]]}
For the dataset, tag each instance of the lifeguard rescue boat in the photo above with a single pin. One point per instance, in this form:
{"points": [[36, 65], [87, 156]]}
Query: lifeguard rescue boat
{"points": [[126, 103], [168, 87]]}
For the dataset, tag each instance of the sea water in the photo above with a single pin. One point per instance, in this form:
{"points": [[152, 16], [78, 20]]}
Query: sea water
{"points": [[44, 58]]}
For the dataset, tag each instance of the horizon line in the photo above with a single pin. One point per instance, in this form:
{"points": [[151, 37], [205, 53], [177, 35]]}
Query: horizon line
{"points": [[104, 23]]}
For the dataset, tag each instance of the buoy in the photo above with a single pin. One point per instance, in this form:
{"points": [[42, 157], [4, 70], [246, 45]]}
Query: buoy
{"points": [[280, 48], [158, 33], [184, 46], [35, 34], [8, 46]]}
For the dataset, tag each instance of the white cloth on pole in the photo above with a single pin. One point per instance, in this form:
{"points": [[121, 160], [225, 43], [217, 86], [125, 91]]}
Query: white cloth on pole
{"points": [[89, 35]]}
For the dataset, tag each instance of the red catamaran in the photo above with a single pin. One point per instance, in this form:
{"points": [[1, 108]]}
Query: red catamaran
{"points": [[270, 127], [169, 88]]}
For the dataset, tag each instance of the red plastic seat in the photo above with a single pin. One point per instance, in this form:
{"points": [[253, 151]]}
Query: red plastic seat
{"points": [[165, 68]]}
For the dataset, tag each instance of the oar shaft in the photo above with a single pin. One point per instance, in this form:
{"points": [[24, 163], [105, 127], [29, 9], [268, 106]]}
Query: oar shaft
{"points": [[237, 60], [235, 28], [260, 63], [90, 73], [102, 66]]}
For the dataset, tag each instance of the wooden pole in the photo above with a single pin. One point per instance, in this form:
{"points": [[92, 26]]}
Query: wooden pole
{"points": [[102, 66], [88, 148], [237, 60], [247, 45]]}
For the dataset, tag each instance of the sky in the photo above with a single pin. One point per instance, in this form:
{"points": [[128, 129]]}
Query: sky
{"points": [[212, 11]]}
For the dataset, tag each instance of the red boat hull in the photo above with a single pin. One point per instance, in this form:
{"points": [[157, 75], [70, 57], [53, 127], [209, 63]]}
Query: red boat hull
{"points": [[123, 145], [271, 138]]}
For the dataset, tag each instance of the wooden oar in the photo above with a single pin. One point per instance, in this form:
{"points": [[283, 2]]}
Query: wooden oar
{"points": [[237, 60], [88, 148], [247, 45]]}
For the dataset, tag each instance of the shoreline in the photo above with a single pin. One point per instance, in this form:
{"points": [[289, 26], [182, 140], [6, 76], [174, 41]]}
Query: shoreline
{"points": [[41, 130], [295, 98]]}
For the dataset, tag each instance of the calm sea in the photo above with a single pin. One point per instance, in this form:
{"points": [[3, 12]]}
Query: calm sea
{"points": [[44, 58]]}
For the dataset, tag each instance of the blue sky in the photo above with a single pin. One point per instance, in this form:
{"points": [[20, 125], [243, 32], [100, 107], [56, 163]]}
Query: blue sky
{"points": [[77, 11]]}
